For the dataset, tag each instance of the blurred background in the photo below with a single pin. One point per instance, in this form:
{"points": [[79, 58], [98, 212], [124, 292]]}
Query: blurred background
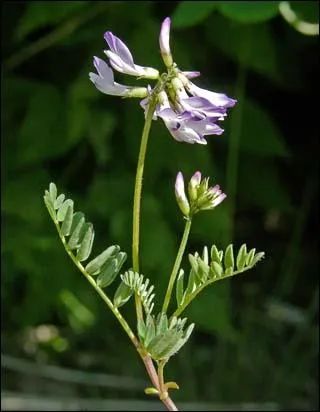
{"points": [[256, 341]]}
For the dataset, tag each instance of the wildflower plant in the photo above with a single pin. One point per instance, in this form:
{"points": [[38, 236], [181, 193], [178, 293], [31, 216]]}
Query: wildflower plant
{"points": [[190, 113]]}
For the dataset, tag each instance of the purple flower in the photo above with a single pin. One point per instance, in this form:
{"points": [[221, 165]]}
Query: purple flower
{"points": [[184, 126], [189, 112], [104, 81], [121, 59]]}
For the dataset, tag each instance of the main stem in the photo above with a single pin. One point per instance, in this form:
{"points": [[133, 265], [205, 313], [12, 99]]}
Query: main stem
{"points": [[135, 244], [138, 187], [177, 264], [137, 199]]}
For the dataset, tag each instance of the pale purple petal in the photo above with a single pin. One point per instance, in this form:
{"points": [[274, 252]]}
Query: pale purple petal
{"points": [[219, 199], [217, 99], [119, 48], [191, 74], [104, 80], [164, 41], [164, 38]]}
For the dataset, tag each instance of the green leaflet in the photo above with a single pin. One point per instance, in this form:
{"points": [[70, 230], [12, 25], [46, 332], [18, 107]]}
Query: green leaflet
{"points": [[217, 269], [76, 230], [215, 254], [241, 258], [108, 273], [93, 267], [67, 221], [180, 296], [110, 270], [52, 192], [228, 257], [250, 257], [122, 295], [86, 243], [162, 323], [61, 213], [58, 202]]}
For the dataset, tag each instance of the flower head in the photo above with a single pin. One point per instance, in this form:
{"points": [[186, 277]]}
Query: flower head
{"points": [[189, 112], [201, 196]]}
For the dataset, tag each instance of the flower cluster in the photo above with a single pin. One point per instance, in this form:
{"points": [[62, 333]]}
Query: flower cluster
{"points": [[188, 111], [200, 195]]}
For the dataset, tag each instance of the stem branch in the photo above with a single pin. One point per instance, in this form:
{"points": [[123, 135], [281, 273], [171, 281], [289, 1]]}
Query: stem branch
{"points": [[177, 265]]}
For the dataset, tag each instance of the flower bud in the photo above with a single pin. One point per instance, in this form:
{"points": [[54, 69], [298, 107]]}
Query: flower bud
{"points": [[164, 42], [193, 186], [181, 195]]}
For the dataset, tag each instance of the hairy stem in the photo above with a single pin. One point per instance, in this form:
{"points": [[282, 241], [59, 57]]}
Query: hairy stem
{"points": [[176, 265], [137, 199], [168, 402]]}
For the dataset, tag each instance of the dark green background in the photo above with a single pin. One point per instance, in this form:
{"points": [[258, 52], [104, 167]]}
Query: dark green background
{"points": [[256, 336]]}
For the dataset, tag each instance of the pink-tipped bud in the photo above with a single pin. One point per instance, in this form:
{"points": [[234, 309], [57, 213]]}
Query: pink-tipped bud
{"points": [[193, 186], [181, 195], [164, 40]]}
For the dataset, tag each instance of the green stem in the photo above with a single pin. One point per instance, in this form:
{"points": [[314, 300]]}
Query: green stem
{"points": [[137, 199], [177, 265], [163, 392], [192, 295]]}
